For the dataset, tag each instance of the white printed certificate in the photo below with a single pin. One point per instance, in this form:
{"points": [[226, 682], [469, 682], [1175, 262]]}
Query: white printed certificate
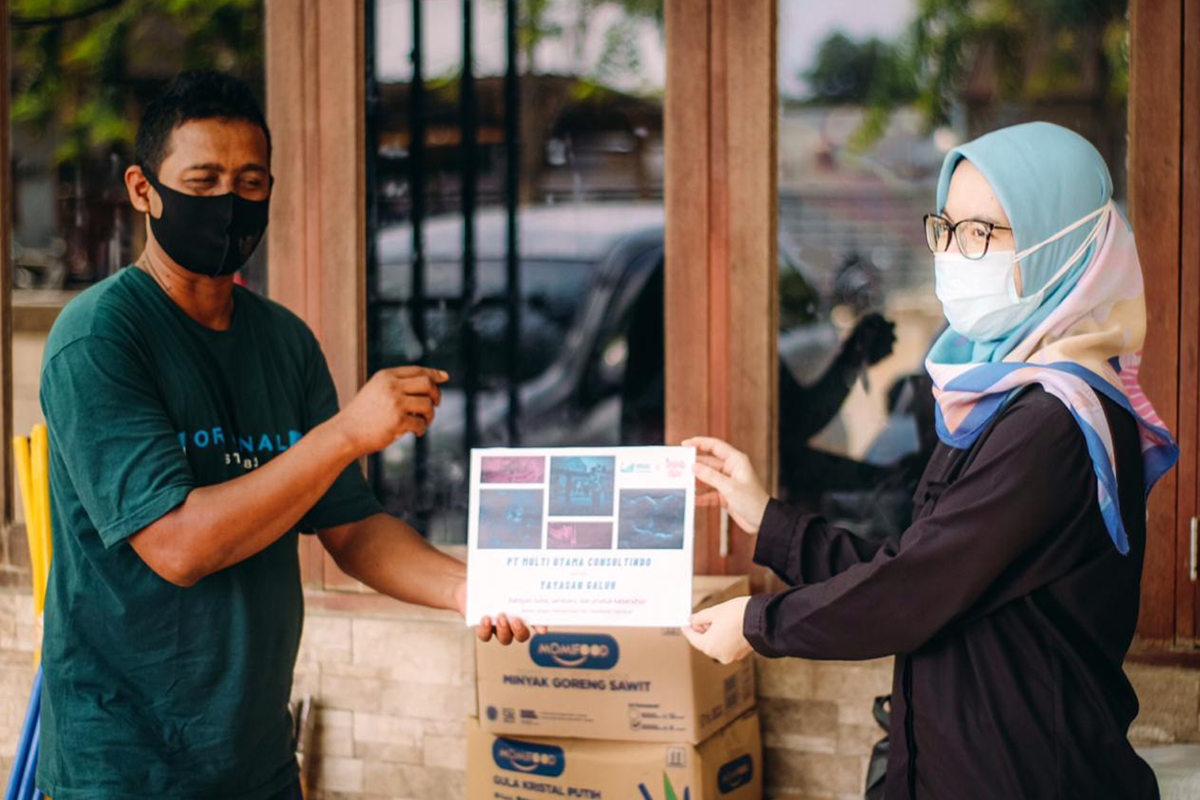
{"points": [[582, 536]]}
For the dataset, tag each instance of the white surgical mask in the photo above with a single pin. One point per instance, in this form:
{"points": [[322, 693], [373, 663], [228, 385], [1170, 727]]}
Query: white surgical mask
{"points": [[979, 297]]}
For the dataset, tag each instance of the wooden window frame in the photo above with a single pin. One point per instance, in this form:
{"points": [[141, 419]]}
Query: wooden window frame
{"points": [[1188, 597], [721, 273], [316, 241], [1164, 193], [6, 216]]}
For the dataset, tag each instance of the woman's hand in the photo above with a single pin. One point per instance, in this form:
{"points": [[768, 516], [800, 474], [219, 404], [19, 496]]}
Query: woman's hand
{"points": [[730, 473], [717, 631]]}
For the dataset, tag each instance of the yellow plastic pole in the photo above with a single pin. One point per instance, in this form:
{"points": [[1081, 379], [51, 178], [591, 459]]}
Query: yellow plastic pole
{"points": [[33, 475], [21, 453], [40, 457], [28, 469], [40, 463], [24, 480]]}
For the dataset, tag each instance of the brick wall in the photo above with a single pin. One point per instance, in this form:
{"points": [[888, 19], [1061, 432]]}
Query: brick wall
{"points": [[817, 727], [393, 685]]}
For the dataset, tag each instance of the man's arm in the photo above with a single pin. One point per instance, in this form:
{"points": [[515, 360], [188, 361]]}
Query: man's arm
{"points": [[389, 556], [221, 525]]}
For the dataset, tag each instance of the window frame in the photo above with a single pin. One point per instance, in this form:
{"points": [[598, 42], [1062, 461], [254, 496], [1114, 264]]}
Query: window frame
{"points": [[7, 510], [1164, 147]]}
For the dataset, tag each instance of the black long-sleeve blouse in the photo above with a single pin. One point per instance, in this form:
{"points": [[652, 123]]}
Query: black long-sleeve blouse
{"points": [[1006, 603]]}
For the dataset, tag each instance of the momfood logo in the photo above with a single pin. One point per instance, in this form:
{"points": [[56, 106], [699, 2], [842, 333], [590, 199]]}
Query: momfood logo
{"points": [[529, 758], [574, 650], [735, 774]]}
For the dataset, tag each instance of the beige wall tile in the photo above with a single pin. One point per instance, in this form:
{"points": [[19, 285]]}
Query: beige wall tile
{"points": [[839, 681], [350, 694], [817, 774], [436, 656], [333, 733], [380, 737], [447, 752], [858, 740], [306, 680], [325, 640], [784, 677], [356, 671], [800, 725], [16, 679], [406, 782], [1169, 699], [338, 775], [427, 701]]}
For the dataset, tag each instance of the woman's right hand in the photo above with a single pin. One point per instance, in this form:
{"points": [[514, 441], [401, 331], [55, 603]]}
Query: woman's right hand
{"points": [[731, 475]]}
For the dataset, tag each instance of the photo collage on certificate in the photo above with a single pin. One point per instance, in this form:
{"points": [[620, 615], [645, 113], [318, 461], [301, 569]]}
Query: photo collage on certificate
{"points": [[587, 536]]}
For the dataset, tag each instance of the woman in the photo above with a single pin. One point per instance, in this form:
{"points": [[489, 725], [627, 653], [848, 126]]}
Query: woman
{"points": [[1011, 600]]}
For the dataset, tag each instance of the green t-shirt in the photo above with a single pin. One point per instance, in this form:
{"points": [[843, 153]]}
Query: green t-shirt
{"points": [[152, 690]]}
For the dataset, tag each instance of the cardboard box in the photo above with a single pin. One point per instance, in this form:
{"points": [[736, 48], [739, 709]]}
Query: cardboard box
{"points": [[629, 684], [728, 766]]}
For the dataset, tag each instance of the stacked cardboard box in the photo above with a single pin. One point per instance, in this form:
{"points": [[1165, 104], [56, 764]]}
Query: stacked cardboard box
{"points": [[633, 712]]}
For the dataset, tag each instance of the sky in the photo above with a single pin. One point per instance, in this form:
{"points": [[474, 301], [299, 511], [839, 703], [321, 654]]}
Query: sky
{"points": [[803, 25]]}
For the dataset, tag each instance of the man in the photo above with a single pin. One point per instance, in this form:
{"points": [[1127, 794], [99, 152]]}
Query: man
{"points": [[194, 429]]}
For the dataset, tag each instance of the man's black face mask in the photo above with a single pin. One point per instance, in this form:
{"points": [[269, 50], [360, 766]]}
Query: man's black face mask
{"points": [[211, 235]]}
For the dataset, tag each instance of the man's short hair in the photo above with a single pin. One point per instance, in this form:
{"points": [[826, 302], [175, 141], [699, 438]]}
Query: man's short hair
{"points": [[196, 94]]}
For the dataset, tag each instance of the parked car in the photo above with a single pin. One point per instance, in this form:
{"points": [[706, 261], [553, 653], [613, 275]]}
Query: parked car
{"points": [[584, 268]]}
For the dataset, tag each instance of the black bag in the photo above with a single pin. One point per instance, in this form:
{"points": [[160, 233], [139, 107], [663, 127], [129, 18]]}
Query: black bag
{"points": [[877, 766]]}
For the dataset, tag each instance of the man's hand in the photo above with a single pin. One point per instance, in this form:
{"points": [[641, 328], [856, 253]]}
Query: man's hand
{"points": [[731, 474], [393, 402], [505, 630], [717, 631]]}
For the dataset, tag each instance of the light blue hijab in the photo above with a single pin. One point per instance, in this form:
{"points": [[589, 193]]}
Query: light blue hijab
{"points": [[1046, 177]]}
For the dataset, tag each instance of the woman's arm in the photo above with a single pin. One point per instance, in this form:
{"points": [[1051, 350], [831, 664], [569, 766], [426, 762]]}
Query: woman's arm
{"points": [[1032, 479], [804, 549]]}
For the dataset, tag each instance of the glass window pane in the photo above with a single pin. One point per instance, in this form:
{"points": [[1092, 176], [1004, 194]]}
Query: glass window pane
{"points": [[588, 207], [873, 93]]}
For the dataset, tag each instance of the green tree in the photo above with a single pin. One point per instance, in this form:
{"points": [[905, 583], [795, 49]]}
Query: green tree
{"points": [[868, 72], [86, 75], [1038, 48], [1034, 50]]}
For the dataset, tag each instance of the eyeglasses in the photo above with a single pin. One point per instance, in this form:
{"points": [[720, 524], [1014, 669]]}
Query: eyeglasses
{"points": [[972, 235]]}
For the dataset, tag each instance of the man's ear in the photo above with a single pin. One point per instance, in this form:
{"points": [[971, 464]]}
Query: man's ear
{"points": [[140, 190]]}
